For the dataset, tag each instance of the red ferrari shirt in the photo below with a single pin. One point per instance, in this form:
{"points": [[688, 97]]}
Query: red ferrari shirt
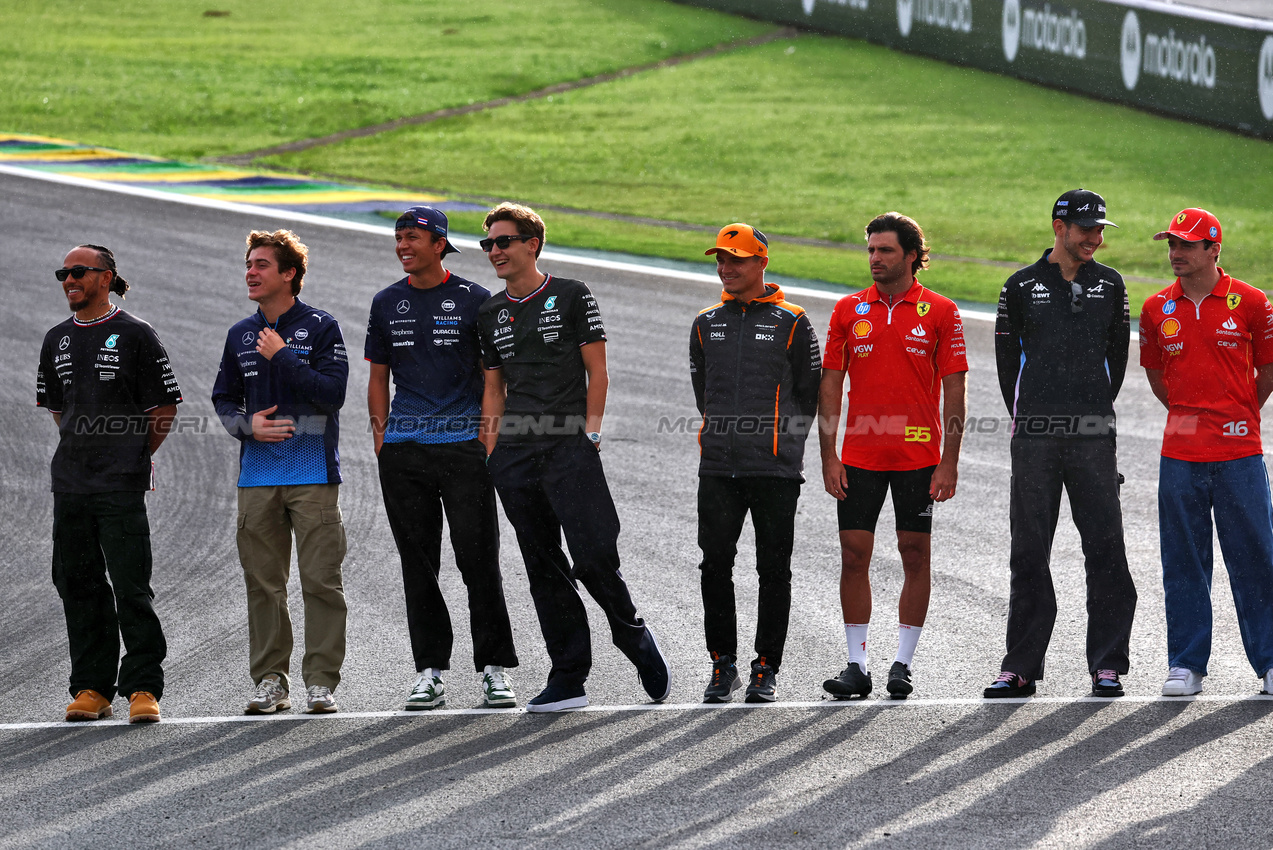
{"points": [[1208, 353], [895, 357]]}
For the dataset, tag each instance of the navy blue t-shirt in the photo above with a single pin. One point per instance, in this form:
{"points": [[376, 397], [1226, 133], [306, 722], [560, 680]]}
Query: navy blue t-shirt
{"points": [[429, 340], [306, 379]]}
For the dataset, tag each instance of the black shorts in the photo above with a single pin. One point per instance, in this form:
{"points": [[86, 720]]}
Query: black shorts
{"points": [[864, 496]]}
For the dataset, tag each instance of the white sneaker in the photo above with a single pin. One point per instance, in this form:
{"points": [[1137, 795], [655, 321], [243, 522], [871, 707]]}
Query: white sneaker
{"points": [[1181, 682], [270, 697], [428, 692], [1268, 683], [497, 688], [320, 700]]}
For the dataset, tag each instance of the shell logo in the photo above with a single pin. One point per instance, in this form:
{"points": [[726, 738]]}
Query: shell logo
{"points": [[1171, 327], [861, 329]]}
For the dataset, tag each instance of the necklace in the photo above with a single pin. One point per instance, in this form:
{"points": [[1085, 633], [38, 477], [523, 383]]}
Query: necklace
{"points": [[109, 310]]}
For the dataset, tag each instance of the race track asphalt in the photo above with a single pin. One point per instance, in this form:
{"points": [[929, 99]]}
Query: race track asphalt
{"points": [[943, 769]]}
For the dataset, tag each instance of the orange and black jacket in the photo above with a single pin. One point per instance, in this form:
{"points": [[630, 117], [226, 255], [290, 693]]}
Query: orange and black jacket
{"points": [[755, 368]]}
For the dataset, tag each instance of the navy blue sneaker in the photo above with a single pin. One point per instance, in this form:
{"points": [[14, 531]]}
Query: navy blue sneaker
{"points": [[1008, 686], [656, 676], [558, 698], [1105, 683]]}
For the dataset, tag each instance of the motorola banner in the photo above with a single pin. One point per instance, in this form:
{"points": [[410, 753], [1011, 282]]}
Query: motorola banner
{"points": [[1193, 63]]}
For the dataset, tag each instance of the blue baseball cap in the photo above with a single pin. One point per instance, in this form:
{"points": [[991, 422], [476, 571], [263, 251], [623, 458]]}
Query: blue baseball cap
{"points": [[430, 219]]}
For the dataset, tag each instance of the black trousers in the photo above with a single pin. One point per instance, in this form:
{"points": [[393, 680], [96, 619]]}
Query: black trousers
{"points": [[553, 486], [420, 482], [723, 504], [96, 535], [1088, 469]]}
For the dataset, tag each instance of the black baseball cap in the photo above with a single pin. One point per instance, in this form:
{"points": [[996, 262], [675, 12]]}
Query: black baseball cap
{"points": [[1081, 207], [430, 219]]}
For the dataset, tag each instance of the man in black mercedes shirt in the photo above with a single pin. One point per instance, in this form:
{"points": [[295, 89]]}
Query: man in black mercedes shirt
{"points": [[105, 377], [1061, 342], [542, 423]]}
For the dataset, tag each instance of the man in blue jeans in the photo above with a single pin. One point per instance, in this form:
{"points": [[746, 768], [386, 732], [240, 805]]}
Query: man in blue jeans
{"points": [[1206, 343]]}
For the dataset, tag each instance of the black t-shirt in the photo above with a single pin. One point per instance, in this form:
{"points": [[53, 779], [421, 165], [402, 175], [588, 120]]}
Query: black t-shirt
{"points": [[536, 341], [103, 377]]}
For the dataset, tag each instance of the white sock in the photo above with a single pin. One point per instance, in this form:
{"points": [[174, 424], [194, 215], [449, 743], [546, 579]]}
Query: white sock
{"points": [[431, 672], [907, 638], [855, 634]]}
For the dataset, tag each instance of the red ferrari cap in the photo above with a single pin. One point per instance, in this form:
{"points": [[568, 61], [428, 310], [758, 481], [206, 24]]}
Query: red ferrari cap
{"points": [[1192, 225]]}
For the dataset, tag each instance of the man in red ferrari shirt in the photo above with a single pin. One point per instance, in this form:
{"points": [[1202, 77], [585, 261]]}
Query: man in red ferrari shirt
{"points": [[1206, 343], [902, 347]]}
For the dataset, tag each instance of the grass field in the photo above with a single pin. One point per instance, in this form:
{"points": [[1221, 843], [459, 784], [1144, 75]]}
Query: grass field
{"points": [[806, 137], [161, 77], [815, 141]]}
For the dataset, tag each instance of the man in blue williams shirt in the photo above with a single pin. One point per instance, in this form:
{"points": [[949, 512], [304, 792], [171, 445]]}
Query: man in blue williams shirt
{"points": [[279, 391], [423, 331]]}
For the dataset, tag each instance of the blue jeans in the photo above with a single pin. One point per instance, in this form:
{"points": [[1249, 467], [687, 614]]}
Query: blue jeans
{"points": [[1237, 491]]}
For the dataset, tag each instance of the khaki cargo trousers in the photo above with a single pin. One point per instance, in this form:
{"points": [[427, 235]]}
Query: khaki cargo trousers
{"points": [[268, 517]]}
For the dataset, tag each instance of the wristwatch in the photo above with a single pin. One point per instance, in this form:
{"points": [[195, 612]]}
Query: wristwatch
{"points": [[595, 436]]}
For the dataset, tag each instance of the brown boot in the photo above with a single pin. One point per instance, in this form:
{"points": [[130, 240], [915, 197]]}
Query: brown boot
{"points": [[143, 708], [88, 705]]}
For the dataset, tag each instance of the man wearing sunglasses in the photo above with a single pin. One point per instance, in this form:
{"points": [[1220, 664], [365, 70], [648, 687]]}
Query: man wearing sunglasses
{"points": [[544, 338], [423, 332], [1061, 345], [1206, 343], [105, 377], [279, 392]]}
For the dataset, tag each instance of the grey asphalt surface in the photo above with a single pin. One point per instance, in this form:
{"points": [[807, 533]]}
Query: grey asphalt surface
{"points": [[924, 773]]}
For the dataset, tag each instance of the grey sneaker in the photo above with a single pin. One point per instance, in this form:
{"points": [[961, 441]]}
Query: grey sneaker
{"points": [[497, 688], [428, 692], [320, 700], [270, 697]]}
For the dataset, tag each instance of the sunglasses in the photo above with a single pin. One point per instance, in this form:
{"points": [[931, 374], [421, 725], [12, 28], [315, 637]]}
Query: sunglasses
{"points": [[76, 272], [1076, 297], [502, 242]]}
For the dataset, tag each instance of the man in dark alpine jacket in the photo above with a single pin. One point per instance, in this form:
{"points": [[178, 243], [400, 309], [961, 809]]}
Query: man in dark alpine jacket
{"points": [[1061, 342], [755, 367]]}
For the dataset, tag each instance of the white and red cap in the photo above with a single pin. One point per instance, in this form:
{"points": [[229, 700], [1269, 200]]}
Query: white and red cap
{"points": [[1192, 225]]}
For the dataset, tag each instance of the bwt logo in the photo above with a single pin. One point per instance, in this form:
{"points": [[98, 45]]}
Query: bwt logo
{"points": [[946, 14]]}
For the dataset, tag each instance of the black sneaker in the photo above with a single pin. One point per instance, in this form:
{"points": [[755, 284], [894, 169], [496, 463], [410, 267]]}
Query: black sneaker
{"points": [[764, 683], [851, 682], [655, 675], [899, 681], [1009, 685], [1105, 683], [725, 680], [558, 698]]}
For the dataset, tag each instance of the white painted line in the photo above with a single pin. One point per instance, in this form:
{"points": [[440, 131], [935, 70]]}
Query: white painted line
{"points": [[385, 230], [643, 707]]}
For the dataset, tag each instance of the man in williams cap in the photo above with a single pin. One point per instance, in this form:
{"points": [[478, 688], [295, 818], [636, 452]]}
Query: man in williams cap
{"points": [[423, 332], [1061, 346], [1206, 343]]}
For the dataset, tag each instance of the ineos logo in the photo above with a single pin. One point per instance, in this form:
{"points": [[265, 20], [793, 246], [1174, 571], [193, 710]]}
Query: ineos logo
{"points": [[1130, 53], [404, 306], [1011, 28], [1265, 74]]}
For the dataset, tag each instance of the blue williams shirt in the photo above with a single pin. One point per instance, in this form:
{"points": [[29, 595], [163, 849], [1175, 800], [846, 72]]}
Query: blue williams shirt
{"points": [[306, 379], [429, 340]]}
